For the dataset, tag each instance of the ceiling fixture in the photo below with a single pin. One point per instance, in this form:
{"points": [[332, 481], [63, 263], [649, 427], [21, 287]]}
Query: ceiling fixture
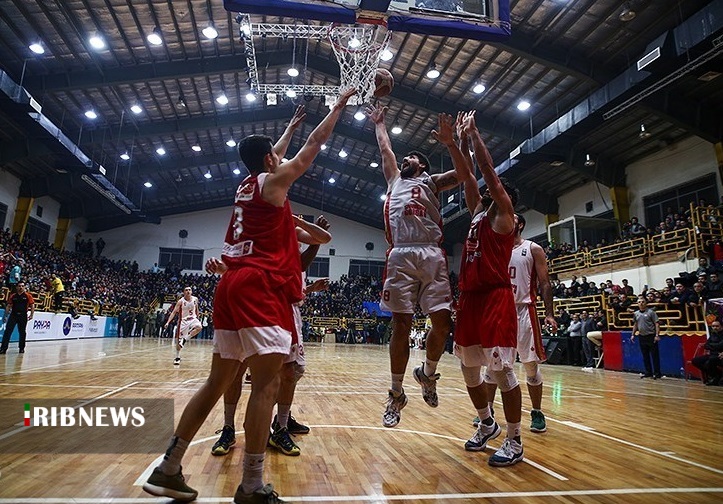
{"points": [[250, 97], [383, 197], [161, 151], [644, 133], [155, 37], [125, 156], [293, 72], [222, 99], [589, 161], [374, 164], [396, 130], [231, 143], [90, 114], [148, 185], [196, 148], [37, 48], [210, 32], [479, 88], [627, 14], [136, 109], [271, 99], [291, 93], [181, 103], [359, 116], [236, 171], [386, 55], [97, 42], [433, 73], [523, 105], [323, 146], [207, 175], [332, 180], [343, 153]]}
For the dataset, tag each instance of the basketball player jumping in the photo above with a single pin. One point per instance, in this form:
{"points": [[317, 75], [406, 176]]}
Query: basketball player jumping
{"points": [[189, 324], [252, 309], [416, 269], [486, 330]]}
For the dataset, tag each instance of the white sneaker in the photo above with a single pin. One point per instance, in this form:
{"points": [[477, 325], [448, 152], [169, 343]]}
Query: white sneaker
{"points": [[509, 453], [177, 361], [395, 404], [483, 434]]}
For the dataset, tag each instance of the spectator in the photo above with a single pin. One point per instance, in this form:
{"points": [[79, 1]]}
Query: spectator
{"points": [[627, 289], [710, 363], [16, 314], [588, 326], [714, 286], [14, 274], [575, 333], [99, 245], [637, 230], [58, 291]]}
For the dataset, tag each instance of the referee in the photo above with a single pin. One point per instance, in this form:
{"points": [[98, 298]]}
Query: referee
{"points": [[16, 313]]}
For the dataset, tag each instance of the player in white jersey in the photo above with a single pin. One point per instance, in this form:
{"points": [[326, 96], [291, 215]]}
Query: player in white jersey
{"points": [[416, 269], [528, 269], [189, 324]]}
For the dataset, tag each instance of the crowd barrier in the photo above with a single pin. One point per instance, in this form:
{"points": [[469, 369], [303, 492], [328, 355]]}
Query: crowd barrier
{"points": [[60, 326]]}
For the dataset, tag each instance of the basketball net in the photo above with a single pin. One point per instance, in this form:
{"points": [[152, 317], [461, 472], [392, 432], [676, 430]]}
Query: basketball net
{"points": [[358, 53]]}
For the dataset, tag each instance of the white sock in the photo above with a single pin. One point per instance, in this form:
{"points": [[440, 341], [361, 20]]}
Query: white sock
{"points": [[484, 414], [430, 366], [171, 463], [282, 414], [513, 430], [253, 477], [397, 380]]}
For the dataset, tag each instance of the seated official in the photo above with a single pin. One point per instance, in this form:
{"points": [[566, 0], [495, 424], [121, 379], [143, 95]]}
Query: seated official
{"points": [[710, 364]]}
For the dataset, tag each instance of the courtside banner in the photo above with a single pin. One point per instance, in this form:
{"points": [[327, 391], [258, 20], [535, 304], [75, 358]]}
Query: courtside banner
{"points": [[85, 426]]}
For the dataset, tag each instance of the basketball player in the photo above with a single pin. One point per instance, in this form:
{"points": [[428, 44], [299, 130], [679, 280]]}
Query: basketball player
{"points": [[189, 324], [486, 330], [252, 313], [416, 269], [528, 268]]}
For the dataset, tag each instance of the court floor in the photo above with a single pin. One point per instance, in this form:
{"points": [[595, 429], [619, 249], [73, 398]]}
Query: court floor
{"points": [[611, 437]]}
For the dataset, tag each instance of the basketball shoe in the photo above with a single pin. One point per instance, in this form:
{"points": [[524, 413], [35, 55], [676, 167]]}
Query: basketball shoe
{"points": [[225, 442], [483, 434], [429, 385], [266, 495], [293, 426], [281, 440], [162, 485], [538, 423], [395, 404], [509, 453], [177, 361]]}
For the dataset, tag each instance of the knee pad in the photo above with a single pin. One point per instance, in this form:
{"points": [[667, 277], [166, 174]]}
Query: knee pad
{"points": [[506, 379], [488, 378], [532, 370], [472, 376], [299, 371]]}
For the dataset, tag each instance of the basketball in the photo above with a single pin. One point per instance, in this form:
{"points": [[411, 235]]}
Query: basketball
{"points": [[383, 83]]}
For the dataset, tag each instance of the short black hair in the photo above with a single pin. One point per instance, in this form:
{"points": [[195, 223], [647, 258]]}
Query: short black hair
{"points": [[422, 159], [511, 190], [253, 149], [522, 222]]}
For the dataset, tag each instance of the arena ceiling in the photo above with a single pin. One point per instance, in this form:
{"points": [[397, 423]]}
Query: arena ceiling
{"points": [[572, 60]]}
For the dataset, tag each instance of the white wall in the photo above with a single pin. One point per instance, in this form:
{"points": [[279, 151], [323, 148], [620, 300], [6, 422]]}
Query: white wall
{"points": [[535, 223], [674, 165], [51, 211], [9, 188], [206, 229], [573, 203]]}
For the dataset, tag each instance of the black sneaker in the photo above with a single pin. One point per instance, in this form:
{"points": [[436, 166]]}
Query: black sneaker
{"points": [[266, 495], [21, 351], [645, 376], [3, 352], [162, 485], [225, 442], [177, 361], [293, 426], [281, 440]]}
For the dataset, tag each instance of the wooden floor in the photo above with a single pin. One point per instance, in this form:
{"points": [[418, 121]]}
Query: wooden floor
{"points": [[611, 436]]}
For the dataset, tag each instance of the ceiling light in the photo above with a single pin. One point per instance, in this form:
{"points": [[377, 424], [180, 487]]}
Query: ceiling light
{"points": [[627, 14], [97, 42], [359, 116], [332, 180], [433, 73], [161, 151], [343, 153], [125, 156], [291, 93], [181, 103], [374, 164], [323, 146], [222, 99], [136, 109], [293, 72], [245, 29], [236, 171], [589, 161], [37, 48], [90, 114], [396, 130], [210, 32], [523, 105], [383, 197], [643, 132], [207, 175], [148, 185], [250, 97], [354, 42], [196, 148], [386, 55], [155, 37], [479, 88], [231, 143]]}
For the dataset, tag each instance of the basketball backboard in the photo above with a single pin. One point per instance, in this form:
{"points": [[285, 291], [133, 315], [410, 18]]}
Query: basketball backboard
{"points": [[472, 19]]}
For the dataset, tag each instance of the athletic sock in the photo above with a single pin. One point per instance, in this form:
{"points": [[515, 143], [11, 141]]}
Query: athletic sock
{"points": [[397, 380], [513, 430], [178, 353], [484, 416], [171, 463], [229, 414], [253, 476], [430, 367], [282, 414]]}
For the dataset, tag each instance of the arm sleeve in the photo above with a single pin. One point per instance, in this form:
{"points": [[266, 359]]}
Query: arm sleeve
{"points": [[31, 301]]}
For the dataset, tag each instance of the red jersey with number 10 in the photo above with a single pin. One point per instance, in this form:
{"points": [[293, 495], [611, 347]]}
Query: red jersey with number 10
{"points": [[261, 235]]}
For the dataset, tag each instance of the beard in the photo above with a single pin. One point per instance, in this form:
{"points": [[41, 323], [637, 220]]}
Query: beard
{"points": [[407, 171]]}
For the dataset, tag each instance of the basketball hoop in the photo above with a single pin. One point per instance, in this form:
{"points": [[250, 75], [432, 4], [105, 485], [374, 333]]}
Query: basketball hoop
{"points": [[358, 52]]}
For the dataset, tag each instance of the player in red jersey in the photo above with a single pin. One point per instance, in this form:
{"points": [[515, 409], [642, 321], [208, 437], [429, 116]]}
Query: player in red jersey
{"points": [[486, 330], [252, 312]]}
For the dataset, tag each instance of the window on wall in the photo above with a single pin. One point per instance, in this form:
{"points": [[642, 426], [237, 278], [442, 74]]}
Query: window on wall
{"points": [[185, 258], [659, 205], [319, 268], [3, 214], [368, 268], [36, 230]]}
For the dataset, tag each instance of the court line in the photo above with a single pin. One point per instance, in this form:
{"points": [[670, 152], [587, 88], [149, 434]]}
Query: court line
{"points": [[378, 497], [647, 394]]}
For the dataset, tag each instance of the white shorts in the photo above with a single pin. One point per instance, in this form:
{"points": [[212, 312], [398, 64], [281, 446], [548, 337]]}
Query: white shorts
{"points": [[188, 325], [416, 274], [494, 359], [529, 336], [296, 354], [244, 343]]}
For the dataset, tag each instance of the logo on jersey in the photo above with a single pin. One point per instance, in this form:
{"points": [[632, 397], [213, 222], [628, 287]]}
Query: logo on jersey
{"points": [[524, 252], [415, 209], [245, 192]]}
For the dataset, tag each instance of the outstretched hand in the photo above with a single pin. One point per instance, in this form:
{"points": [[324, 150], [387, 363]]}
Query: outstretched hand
{"points": [[341, 102], [298, 117], [469, 126], [445, 129], [376, 114], [318, 285]]}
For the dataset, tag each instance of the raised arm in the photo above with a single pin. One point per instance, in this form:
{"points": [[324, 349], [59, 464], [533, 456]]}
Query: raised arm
{"points": [[282, 144], [543, 279], [463, 170], [309, 233], [277, 184], [389, 160]]}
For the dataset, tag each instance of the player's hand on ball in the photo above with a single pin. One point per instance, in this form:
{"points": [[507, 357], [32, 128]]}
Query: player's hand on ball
{"points": [[323, 223], [376, 114]]}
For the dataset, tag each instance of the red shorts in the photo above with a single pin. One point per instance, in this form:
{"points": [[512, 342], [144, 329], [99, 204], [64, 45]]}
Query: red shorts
{"points": [[486, 318]]}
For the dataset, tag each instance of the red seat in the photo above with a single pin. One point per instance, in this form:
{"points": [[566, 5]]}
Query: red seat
{"points": [[699, 350]]}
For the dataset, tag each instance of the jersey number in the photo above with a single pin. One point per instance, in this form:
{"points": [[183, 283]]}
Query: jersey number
{"points": [[416, 192], [385, 295], [513, 272], [238, 226]]}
